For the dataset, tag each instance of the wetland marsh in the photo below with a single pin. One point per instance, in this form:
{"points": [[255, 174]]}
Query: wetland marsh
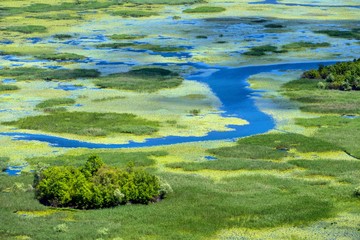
{"points": [[208, 96]]}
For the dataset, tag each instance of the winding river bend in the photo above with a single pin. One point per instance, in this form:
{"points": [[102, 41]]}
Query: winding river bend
{"points": [[230, 86]]}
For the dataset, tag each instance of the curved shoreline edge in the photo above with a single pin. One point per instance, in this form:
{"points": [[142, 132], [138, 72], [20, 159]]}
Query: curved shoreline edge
{"points": [[228, 84]]}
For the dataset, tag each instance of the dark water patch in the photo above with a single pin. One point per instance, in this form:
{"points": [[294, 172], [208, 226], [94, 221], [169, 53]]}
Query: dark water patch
{"points": [[14, 170], [34, 40], [54, 67], [350, 116], [229, 85], [210, 158], [6, 42], [69, 87], [8, 80]]}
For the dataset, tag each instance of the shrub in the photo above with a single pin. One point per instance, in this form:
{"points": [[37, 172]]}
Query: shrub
{"points": [[357, 192], [96, 185]]}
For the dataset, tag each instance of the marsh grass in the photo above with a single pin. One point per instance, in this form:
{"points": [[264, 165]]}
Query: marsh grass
{"points": [[59, 16], [336, 129], [111, 158], [263, 50], [116, 45], [62, 36], [232, 164], [303, 45], [254, 201], [351, 34], [205, 9], [27, 29], [60, 56], [4, 88], [126, 37], [55, 102], [134, 13], [141, 80], [273, 146], [313, 99], [33, 73], [88, 124]]}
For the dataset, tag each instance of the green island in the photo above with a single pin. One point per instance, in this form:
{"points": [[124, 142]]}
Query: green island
{"points": [[179, 119]]}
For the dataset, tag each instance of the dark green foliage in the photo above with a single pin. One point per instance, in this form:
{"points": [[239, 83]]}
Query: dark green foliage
{"points": [[301, 45], [342, 75], [55, 102], [142, 80], [87, 123], [158, 48], [205, 9], [8, 87], [60, 16], [95, 186], [27, 29], [115, 45], [273, 25], [62, 36], [353, 34], [33, 73], [134, 13], [263, 50]]}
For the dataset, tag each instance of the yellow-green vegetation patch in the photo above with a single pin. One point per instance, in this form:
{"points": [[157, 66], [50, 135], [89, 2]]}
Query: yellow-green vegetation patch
{"points": [[25, 29], [55, 102], [88, 124], [5, 88], [33, 73], [141, 80], [134, 13], [303, 45], [126, 36], [205, 9]]}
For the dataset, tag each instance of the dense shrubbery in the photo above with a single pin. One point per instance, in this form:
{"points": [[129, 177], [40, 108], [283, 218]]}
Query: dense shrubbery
{"points": [[342, 76], [96, 185]]}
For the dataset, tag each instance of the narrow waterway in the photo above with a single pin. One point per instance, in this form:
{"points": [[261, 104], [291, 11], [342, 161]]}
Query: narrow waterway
{"points": [[228, 84]]}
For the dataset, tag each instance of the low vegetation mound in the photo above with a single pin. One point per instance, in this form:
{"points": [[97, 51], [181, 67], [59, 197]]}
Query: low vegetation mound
{"points": [[263, 50], [205, 9], [96, 185], [4, 88], [301, 45], [33, 73], [27, 29], [55, 102], [348, 34], [60, 56], [342, 75], [88, 123], [142, 80], [134, 13]]}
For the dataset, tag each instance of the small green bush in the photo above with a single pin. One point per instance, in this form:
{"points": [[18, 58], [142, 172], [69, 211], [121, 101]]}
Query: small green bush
{"points": [[96, 185], [205, 9], [357, 192]]}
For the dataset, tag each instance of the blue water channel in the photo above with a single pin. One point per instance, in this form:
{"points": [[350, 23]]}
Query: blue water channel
{"points": [[230, 86]]}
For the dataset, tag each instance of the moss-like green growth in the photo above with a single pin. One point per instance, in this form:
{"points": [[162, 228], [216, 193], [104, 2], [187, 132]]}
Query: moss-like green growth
{"points": [[273, 25], [116, 45], [142, 80], [32, 73], [55, 102], [205, 9], [134, 13], [263, 50], [62, 36], [126, 36], [158, 48], [59, 16], [86, 123], [60, 56], [352, 34], [6, 87], [303, 45], [27, 29]]}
